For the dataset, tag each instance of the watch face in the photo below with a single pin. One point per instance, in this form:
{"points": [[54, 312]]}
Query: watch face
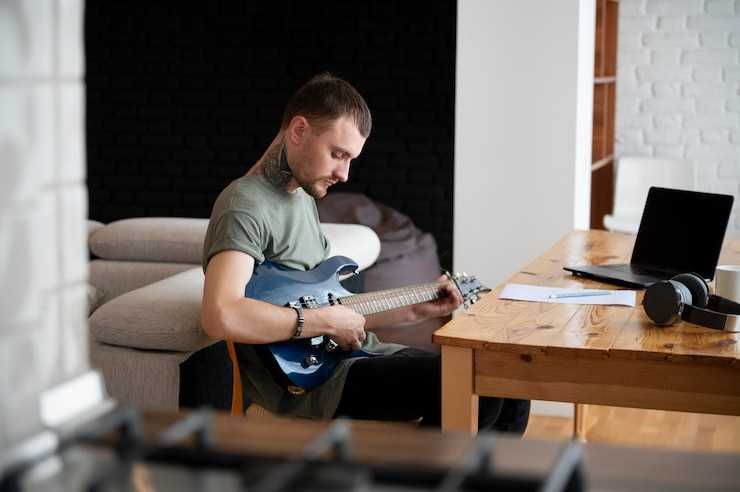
{"points": [[662, 303]]}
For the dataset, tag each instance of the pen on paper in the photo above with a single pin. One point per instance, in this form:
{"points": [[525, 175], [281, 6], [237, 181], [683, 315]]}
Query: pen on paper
{"points": [[579, 294]]}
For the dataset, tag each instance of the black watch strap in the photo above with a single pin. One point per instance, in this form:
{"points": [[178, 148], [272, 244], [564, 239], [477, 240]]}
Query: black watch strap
{"points": [[299, 324]]}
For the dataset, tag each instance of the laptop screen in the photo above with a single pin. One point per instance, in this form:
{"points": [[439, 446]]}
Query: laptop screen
{"points": [[682, 231]]}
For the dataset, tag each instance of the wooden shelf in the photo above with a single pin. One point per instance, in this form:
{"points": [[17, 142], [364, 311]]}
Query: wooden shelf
{"points": [[602, 192], [604, 110], [603, 162]]}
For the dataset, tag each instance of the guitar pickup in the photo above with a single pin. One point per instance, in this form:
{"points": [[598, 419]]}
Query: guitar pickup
{"points": [[308, 302]]}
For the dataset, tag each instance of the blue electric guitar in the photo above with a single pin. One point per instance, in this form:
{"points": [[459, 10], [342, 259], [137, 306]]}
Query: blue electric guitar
{"points": [[308, 362]]}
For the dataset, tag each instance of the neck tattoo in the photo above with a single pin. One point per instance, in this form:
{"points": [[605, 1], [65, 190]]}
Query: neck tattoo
{"points": [[276, 168]]}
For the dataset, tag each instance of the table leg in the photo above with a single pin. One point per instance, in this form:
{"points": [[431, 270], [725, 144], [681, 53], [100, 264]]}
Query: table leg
{"points": [[459, 402], [579, 422]]}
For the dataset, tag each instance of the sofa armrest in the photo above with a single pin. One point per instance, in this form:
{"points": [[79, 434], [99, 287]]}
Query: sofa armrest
{"points": [[162, 316]]}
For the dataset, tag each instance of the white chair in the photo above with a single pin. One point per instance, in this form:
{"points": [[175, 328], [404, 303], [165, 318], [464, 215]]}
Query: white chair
{"points": [[635, 176]]}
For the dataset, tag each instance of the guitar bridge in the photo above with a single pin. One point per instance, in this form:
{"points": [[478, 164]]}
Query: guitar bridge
{"points": [[331, 345]]}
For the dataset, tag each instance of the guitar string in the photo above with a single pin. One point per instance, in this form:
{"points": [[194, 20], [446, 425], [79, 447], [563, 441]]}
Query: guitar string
{"points": [[384, 300], [393, 298]]}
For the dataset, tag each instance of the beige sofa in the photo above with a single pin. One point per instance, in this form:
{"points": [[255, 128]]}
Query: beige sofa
{"points": [[145, 333]]}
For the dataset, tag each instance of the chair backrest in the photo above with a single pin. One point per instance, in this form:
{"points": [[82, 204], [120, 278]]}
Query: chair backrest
{"points": [[635, 176]]}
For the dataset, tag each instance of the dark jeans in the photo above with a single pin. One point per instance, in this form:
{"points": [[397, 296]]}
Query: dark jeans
{"points": [[407, 385]]}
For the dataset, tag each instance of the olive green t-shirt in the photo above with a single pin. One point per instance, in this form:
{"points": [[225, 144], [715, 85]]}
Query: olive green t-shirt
{"points": [[267, 223]]}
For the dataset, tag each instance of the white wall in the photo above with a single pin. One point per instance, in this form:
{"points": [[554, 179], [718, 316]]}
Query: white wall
{"points": [[43, 205], [522, 129], [524, 90], [678, 88]]}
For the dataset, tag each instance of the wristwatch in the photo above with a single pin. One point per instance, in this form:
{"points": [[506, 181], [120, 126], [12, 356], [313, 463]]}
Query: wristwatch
{"points": [[301, 320]]}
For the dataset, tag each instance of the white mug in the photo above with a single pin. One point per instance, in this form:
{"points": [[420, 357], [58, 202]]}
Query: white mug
{"points": [[727, 282]]}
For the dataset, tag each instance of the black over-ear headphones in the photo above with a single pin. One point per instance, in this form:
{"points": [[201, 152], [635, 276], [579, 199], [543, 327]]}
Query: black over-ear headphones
{"points": [[687, 297]]}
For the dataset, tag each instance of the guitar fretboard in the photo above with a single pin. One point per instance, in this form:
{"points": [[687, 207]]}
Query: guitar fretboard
{"points": [[386, 300]]}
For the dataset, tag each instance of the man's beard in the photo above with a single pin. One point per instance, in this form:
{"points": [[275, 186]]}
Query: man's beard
{"points": [[313, 189]]}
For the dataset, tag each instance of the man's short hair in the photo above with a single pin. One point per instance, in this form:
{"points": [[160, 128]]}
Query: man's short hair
{"points": [[326, 98]]}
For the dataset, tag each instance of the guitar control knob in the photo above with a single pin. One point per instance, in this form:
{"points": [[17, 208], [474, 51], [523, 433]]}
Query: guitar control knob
{"points": [[310, 360]]}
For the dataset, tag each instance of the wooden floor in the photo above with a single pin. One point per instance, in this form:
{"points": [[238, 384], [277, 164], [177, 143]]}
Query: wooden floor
{"points": [[645, 428]]}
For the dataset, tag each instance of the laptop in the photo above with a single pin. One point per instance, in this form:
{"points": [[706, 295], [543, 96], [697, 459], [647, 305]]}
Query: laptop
{"points": [[680, 231]]}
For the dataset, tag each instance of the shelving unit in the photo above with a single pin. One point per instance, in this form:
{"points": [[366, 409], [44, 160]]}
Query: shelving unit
{"points": [[605, 83]]}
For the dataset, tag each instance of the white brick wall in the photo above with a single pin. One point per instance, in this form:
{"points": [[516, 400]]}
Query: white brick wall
{"points": [[678, 88], [42, 207]]}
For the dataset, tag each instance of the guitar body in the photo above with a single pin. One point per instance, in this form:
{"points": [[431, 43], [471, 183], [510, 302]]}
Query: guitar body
{"points": [[280, 285]]}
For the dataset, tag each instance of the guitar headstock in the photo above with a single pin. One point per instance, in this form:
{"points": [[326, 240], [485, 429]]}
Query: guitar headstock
{"points": [[469, 286]]}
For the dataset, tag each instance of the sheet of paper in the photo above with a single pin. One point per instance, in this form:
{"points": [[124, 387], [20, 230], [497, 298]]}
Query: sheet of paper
{"points": [[536, 293]]}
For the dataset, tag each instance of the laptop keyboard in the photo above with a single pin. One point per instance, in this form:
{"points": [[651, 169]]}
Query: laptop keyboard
{"points": [[636, 270]]}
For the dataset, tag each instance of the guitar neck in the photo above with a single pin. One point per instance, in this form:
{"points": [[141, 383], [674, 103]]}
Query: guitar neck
{"points": [[387, 300]]}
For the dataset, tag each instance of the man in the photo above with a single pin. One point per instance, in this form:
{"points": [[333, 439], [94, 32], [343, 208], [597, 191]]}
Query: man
{"points": [[270, 214]]}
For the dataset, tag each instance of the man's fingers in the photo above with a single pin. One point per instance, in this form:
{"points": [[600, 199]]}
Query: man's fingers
{"points": [[457, 295], [454, 293]]}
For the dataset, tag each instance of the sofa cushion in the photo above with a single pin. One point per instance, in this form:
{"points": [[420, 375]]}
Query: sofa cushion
{"points": [[180, 240], [92, 226], [94, 298], [114, 278], [162, 316], [355, 241], [170, 239]]}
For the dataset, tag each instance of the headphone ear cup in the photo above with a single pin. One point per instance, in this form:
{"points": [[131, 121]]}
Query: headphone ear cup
{"points": [[662, 301], [698, 287], [685, 292]]}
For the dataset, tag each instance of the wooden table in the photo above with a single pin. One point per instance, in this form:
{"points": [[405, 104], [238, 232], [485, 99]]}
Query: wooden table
{"points": [[604, 355]]}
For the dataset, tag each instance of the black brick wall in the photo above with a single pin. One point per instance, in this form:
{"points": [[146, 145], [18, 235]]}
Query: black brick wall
{"points": [[181, 100]]}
